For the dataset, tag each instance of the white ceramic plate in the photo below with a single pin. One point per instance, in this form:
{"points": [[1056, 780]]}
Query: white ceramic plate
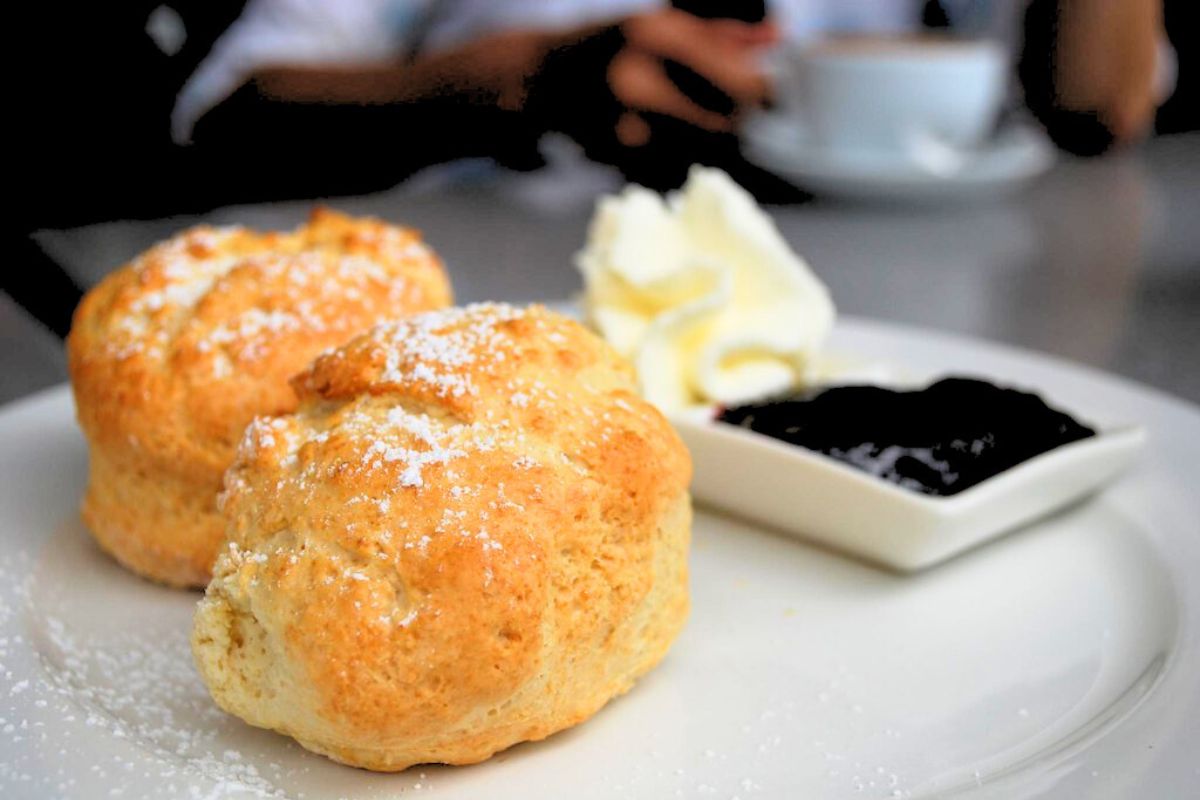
{"points": [[934, 173], [1060, 661]]}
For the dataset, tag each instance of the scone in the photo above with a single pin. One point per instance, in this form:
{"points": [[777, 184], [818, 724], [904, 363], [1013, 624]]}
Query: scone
{"points": [[472, 533], [172, 355]]}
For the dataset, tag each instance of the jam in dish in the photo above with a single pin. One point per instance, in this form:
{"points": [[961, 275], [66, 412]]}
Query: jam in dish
{"points": [[938, 440]]}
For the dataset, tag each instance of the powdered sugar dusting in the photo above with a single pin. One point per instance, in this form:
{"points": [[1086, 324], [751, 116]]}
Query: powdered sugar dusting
{"points": [[414, 460], [303, 281], [387, 446], [123, 685], [434, 348], [111, 705]]}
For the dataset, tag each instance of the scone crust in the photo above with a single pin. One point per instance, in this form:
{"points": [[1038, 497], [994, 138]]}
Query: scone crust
{"points": [[472, 533], [172, 355]]}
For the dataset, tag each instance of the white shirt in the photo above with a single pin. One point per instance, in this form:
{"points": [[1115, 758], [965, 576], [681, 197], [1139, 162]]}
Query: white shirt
{"points": [[349, 32]]}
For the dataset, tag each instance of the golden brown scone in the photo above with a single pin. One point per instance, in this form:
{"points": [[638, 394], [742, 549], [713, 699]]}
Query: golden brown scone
{"points": [[172, 355], [472, 533]]}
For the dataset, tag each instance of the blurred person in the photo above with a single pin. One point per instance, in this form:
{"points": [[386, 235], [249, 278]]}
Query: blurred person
{"points": [[470, 78], [147, 109], [660, 88], [1094, 72], [309, 98]]}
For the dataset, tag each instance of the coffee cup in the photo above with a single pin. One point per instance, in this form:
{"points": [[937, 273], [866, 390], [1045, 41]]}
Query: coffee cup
{"points": [[884, 95]]}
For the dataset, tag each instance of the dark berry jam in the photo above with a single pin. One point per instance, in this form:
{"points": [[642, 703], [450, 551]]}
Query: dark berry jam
{"points": [[938, 440]]}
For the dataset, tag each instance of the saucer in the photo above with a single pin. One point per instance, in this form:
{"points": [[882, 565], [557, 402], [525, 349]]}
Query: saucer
{"points": [[930, 171]]}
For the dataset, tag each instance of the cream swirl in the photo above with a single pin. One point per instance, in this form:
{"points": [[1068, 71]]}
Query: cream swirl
{"points": [[702, 293]]}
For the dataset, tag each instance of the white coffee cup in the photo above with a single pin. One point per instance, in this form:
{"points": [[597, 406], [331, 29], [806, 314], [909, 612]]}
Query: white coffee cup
{"points": [[885, 94]]}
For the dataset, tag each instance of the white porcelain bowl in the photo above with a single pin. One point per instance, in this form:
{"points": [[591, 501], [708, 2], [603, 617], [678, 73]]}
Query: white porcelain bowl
{"points": [[818, 498]]}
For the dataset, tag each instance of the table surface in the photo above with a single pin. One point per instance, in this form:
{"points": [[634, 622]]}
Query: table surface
{"points": [[1098, 261]]}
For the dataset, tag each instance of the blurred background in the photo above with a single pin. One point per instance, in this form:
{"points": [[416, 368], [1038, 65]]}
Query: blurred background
{"points": [[1023, 171]]}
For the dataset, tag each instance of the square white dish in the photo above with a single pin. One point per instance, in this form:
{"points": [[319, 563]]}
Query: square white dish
{"points": [[820, 499]]}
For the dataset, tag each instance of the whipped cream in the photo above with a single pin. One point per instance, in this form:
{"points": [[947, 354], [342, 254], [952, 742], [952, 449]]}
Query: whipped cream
{"points": [[702, 293]]}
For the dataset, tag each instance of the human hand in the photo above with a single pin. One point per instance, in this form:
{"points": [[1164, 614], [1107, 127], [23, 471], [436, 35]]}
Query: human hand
{"points": [[703, 72]]}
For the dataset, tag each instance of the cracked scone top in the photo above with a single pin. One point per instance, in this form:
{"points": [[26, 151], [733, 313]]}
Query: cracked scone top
{"points": [[471, 533], [174, 354]]}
